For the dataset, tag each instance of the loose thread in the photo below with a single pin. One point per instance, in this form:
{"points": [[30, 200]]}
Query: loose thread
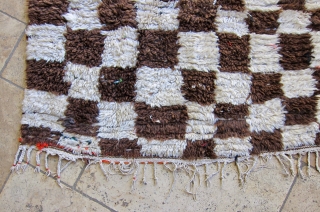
{"points": [[24, 167], [192, 182], [144, 181], [134, 178], [247, 173], [23, 152], [16, 159], [103, 170], [59, 171], [282, 164], [155, 173], [37, 169], [317, 162], [222, 171], [174, 177], [239, 174], [213, 174], [308, 170], [299, 167], [48, 172], [206, 175], [291, 165]]}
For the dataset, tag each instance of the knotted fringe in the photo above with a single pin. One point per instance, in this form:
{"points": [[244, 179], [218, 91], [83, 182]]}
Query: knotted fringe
{"points": [[112, 166]]}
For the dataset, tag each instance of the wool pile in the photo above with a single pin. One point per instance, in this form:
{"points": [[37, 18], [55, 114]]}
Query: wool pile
{"points": [[172, 79]]}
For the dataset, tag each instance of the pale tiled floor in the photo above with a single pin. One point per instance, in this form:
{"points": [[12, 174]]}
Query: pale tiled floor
{"points": [[88, 190]]}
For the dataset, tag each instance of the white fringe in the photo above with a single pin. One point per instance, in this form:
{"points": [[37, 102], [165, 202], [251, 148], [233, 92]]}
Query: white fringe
{"points": [[123, 166]]}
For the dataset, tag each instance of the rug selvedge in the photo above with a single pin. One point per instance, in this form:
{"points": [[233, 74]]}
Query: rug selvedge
{"points": [[149, 81]]}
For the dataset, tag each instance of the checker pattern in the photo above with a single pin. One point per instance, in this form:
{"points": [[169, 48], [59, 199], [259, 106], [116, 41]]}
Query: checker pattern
{"points": [[179, 78]]}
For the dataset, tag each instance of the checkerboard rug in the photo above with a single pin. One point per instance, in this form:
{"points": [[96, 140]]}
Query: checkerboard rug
{"points": [[191, 82]]}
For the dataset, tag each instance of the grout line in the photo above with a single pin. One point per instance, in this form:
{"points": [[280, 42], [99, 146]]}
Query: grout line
{"points": [[13, 17], [76, 190], [95, 200], [289, 192], [79, 176], [8, 81], [5, 182], [13, 50]]}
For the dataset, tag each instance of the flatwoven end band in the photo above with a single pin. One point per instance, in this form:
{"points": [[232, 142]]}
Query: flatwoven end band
{"points": [[187, 82]]}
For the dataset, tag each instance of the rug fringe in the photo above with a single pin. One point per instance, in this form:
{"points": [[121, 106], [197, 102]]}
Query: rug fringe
{"points": [[112, 166]]}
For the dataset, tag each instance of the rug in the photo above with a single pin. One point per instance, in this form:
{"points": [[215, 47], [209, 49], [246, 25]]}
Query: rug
{"points": [[188, 83]]}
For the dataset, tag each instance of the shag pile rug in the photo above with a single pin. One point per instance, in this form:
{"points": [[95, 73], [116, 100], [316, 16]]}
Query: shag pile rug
{"points": [[188, 82]]}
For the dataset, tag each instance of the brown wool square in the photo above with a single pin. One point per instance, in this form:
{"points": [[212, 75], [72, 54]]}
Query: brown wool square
{"points": [[168, 122], [237, 5], [47, 11], [199, 149], [263, 22], [198, 86], [32, 135], [230, 111], [300, 110], [84, 47], [317, 141], [46, 76], [197, 16], [265, 87], [296, 51], [120, 148], [292, 4], [232, 128], [158, 48], [316, 76], [266, 142], [117, 84], [80, 116], [114, 14], [234, 52], [315, 21]]}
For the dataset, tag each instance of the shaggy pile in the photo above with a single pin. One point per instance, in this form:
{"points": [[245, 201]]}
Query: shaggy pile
{"points": [[183, 79]]}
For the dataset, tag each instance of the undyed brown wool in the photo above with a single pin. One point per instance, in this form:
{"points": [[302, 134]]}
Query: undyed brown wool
{"points": [[266, 142], [158, 48], [198, 86], [230, 111], [316, 76], [120, 148], [315, 21], [34, 135], [84, 47], [296, 51], [317, 142], [115, 14], [197, 16], [199, 149], [117, 84], [265, 87], [237, 5], [47, 11], [263, 22], [167, 122], [232, 128], [80, 116], [234, 52], [300, 110], [292, 4], [47, 76]]}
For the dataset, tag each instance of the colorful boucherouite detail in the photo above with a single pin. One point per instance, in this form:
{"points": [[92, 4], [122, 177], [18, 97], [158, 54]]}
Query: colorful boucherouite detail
{"points": [[189, 83]]}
